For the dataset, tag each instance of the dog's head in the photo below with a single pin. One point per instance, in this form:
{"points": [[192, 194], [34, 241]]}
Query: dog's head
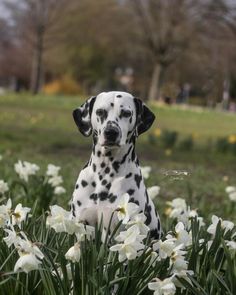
{"points": [[113, 118]]}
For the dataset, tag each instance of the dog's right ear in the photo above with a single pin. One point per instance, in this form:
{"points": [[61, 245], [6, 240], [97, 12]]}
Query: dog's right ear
{"points": [[82, 116]]}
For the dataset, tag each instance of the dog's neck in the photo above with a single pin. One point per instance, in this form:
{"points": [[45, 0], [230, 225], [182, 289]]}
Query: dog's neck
{"points": [[113, 157]]}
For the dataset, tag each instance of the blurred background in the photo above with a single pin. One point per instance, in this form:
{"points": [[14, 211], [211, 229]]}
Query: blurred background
{"points": [[178, 56]]}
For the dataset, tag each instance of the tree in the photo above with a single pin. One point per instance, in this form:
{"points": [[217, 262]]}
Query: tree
{"points": [[35, 20]]}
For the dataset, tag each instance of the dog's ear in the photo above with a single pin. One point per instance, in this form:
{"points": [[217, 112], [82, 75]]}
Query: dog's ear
{"points": [[82, 116], [144, 117]]}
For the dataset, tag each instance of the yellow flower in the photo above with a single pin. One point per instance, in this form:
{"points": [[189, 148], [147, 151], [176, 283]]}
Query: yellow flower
{"points": [[225, 178], [168, 152], [168, 211], [157, 132], [232, 139], [194, 135]]}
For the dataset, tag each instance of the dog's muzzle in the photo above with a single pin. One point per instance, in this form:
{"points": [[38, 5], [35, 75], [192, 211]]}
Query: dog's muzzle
{"points": [[112, 135]]}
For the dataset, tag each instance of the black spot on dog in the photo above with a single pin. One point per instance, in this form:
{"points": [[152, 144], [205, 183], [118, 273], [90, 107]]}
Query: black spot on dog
{"points": [[107, 170], [112, 104], [108, 154], [112, 198], [77, 186], [147, 213], [128, 175], [100, 177], [84, 183], [132, 200], [112, 174], [133, 155], [154, 234], [103, 195], [108, 186], [93, 196], [73, 209], [103, 165], [126, 155], [130, 192], [79, 203], [104, 182], [137, 179], [94, 167], [111, 159], [116, 166], [130, 120], [146, 195], [99, 153], [93, 183], [119, 95]]}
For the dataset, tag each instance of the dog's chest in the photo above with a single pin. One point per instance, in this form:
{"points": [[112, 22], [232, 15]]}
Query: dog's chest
{"points": [[100, 184]]}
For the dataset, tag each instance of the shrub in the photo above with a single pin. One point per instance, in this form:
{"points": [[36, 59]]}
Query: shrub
{"points": [[169, 138], [65, 85], [186, 143]]}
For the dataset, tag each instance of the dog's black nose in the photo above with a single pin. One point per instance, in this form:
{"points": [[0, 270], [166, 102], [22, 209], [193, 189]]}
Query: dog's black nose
{"points": [[111, 133]]}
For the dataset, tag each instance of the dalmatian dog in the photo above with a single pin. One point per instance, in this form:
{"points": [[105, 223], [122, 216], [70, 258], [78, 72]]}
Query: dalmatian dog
{"points": [[115, 120]]}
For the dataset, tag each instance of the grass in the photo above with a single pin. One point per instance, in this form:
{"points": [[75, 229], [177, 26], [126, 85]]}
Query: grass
{"points": [[41, 129]]}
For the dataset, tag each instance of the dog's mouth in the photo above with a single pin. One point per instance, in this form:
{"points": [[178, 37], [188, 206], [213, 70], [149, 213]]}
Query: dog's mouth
{"points": [[109, 144]]}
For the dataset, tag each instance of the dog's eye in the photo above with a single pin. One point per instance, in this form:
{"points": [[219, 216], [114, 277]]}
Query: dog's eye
{"points": [[125, 113], [101, 112]]}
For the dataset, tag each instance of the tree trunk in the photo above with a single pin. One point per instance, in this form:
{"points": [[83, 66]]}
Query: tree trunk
{"points": [[37, 66], [154, 90]]}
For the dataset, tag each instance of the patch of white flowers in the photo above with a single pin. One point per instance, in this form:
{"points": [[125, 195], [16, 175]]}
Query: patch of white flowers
{"points": [[231, 191], [30, 256], [54, 179], [25, 169], [3, 187], [179, 210]]}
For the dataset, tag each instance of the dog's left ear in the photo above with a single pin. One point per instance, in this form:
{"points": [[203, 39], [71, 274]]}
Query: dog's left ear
{"points": [[82, 116], [144, 117]]}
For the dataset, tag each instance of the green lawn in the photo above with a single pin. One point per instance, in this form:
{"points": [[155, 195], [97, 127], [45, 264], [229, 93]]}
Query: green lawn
{"points": [[41, 129]]}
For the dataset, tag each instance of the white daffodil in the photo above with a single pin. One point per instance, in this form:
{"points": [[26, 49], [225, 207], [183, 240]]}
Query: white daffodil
{"points": [[58, 190], [139, 221], [60, 220], [153, 191], [126, 210], [165, 287], [183, 274], [55, 180], [178, 203], [132, 243], [27, 263], [52, 170], [130, 235], [3, 187], [5, 213], [27, 247], [164, 248], [177, 259], [19, 214], [231, 245], [182, 236], [25, 169], [231, 190], [146, 170], [74, 253], [13, 238], [127, 251], [225, 224]]}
